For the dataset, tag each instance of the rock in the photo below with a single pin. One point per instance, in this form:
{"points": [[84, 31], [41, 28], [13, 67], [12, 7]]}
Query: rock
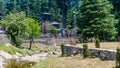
{"points": [[35, 57], [56, 53], [1, 62], [4, 39], [5, 55]]}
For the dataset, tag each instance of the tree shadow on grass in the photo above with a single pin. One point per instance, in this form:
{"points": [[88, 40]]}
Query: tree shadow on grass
{"points": [[116, 67]]}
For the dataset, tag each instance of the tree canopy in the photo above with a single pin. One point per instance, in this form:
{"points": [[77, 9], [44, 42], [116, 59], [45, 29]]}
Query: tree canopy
{"points": [[15, 26], [96, 19], [18, 25], [33, 31], [91, 16]]}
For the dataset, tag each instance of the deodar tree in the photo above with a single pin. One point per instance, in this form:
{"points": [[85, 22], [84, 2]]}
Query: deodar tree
{"points": [[97, 20], [63, 5], [116, 11]]}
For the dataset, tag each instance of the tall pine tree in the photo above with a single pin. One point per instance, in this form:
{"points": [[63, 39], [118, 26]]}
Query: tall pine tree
{"points": [[63, 5], [97, 20], [116, 11]]}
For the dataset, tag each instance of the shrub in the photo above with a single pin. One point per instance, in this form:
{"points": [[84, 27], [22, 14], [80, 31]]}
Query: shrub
{"points": [[86, 52], [63, 50], [97, 43], [118, 57]]}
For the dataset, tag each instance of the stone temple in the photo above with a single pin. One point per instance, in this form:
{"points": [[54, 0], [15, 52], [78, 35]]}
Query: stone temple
{"points": [[46, 23]]}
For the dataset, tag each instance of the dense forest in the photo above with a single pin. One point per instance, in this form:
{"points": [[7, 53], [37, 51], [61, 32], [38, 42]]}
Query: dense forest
{"points": [[93, 17]]}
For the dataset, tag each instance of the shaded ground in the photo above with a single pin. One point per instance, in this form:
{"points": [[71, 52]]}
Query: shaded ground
{"points": [[105, 45], [74, 62]]}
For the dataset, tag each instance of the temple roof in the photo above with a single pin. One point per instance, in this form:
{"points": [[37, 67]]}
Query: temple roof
{"points": [[55, 22]]}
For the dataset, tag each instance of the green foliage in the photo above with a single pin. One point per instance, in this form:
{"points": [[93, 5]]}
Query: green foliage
{"points": [[118, 57], [16, 26], [97, 43], [63, 50], [69, 26], [94, 16], [45, 63], [63, 5], [34, 29], [54, 30], [34, 8], [3, 9], [86, 52], [97, 19], [116, 12]]}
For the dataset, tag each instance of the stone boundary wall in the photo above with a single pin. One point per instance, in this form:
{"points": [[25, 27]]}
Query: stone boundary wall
{"points": [[103, 54]]}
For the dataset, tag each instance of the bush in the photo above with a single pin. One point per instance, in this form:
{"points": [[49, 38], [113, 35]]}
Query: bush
{"points": [[118, 57], [63, 50], [86, 52], [97, 43]]}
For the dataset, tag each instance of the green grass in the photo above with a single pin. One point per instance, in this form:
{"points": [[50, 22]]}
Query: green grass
{"points": [[45, 63], [13, 50]]}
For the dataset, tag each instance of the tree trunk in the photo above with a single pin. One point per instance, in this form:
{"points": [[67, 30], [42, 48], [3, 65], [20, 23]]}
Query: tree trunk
{"points": [[14, 40], [31, 41], [64, 17]]}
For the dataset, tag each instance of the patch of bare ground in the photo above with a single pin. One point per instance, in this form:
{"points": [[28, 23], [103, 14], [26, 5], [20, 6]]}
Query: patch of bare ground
{"points": [[104, 45], [38, 47]]}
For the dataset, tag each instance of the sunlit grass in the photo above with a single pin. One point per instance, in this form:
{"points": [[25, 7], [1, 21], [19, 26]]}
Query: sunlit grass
{"points": [[13, 50], [45, 63], [104, 45], [74, 62]]}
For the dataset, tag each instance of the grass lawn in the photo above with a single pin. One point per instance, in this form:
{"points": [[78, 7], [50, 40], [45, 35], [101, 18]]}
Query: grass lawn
{"points": [[104, 45], [74, 62]]}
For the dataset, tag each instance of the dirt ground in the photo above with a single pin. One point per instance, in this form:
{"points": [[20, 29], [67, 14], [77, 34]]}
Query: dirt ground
{"points": [[104, 45]]}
